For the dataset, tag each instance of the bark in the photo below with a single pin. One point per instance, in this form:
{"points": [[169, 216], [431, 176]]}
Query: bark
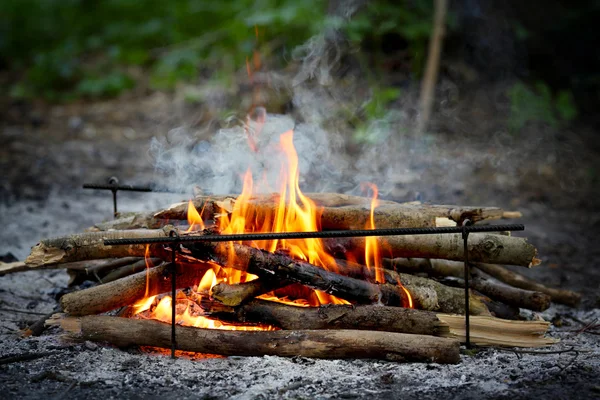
{"points": [[95, 270], [236, 294], [142, 220], [561, 296], [330, 344], [341, 211], [130, 269], [482, 247], [427, 294], [89, 246], [484, 330], [281, 267], [129, 290], [367, 317], [490, 331], [532, 300]]}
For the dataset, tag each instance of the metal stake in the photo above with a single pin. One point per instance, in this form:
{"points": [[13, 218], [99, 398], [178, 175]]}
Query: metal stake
{"points": [[467, 273], [114, 182], [174, 234]]}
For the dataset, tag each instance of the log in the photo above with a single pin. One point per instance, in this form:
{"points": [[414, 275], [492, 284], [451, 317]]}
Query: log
{"points": [[532, 300], [129, 290], [236, 294], [490, 331], [341, 211], [561, 296], [426, 295], [142, 220], [89, 246], [363, 317], [328, 344], [485, 330], [282, 267], [130, 269], [95, 270], [482, 247]]}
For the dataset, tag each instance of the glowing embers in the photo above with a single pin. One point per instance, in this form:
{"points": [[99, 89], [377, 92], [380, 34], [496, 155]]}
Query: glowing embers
{"points": [[189, 312]]}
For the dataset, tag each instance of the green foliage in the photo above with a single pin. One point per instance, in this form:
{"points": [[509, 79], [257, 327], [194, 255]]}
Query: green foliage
{"points": [[60, 49], [63, 48], [537, 104]]}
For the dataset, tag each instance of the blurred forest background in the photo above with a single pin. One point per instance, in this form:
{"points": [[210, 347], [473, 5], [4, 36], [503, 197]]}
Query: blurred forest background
{"points": [[123, 68]]}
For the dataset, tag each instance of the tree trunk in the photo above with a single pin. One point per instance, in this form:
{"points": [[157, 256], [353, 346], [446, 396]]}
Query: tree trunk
{"points": [[329, 344]]}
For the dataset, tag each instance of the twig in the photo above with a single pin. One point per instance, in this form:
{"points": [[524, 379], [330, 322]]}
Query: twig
{"points": [[21, 311], [62, 395], [24, 357]]}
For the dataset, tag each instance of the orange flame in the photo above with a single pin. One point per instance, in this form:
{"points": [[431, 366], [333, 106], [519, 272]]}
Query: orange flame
{"points": [[372, 252], [194, 217]]}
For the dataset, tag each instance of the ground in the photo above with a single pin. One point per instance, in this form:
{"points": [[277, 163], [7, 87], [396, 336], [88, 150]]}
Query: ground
{"points": [[48, 152]]}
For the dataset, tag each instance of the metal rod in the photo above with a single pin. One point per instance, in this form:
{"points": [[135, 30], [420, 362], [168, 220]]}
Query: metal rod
{"points": [[316, 234], [175, 235], [130, 188], [467, 271], [114, 193]]}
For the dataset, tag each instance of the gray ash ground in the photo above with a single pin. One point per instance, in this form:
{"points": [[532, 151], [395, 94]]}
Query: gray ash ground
{"points": [[41, 197]]}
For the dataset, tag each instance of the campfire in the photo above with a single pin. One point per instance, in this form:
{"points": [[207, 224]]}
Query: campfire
{"points": [[276, 271]]}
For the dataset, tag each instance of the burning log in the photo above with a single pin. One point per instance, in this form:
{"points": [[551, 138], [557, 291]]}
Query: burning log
{"points": [[341, 211], [484, 330], [561, 296], [532, 300], [482, 247], [129, 290], [363, 317], [236, 294], [427, 295], [330, 344], [88, 246]]}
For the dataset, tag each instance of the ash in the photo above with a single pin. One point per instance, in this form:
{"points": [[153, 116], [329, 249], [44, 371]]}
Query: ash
{"points": [[68, 369], [74, 369]]}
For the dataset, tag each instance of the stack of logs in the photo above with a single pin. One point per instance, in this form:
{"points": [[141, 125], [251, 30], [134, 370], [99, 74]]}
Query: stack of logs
{"points": [[376, 325]]}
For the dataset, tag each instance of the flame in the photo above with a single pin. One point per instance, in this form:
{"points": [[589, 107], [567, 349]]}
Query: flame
{"points": [[372, 252], [194, 217]]}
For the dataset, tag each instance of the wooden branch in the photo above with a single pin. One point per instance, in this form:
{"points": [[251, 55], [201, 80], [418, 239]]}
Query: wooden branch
{"points": [[17, 266], [536, 301], [130, 269], [270, 265], [561, 296], [142, 220], [483, 247], [426, 293], [489, 331], [433, 63], [88, 246], [341, 211], [363, 317], [95, 270], [484, 330], [129, 290], [236, 294], [328, 344]]}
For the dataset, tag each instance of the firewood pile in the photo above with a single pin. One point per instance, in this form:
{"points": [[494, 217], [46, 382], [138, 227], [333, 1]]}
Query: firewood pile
{"points": [[397, 298]]}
